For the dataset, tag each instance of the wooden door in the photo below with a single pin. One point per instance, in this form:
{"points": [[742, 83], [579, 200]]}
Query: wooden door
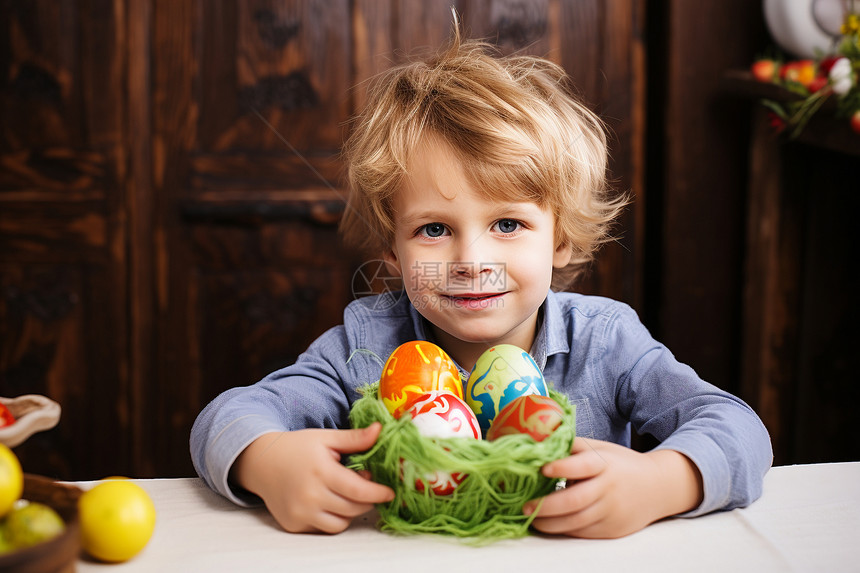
{"points": [[63, 260], [172, 183]]}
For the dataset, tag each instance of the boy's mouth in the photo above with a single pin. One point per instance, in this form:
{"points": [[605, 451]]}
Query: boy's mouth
{"points": [[472, 298]]}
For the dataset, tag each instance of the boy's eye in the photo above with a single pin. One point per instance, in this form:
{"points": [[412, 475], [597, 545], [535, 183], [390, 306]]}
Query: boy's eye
{"points": [[433, 229], [508, 226]]}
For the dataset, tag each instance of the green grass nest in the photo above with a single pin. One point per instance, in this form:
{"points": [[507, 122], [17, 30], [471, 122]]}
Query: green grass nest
{"points": [[501, 475]]}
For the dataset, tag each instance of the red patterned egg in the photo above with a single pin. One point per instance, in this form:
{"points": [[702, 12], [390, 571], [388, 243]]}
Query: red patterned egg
{"points": [[443, 415], [537, 416], [413, 369]]}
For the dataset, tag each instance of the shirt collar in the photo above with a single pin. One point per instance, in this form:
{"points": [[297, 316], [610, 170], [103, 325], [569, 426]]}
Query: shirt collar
{"points": [[551, 337], [552, 334]]}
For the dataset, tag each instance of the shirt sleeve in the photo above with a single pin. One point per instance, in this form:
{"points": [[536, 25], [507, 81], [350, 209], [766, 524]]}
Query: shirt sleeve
{"points": [[309, 393], [660, 396]]}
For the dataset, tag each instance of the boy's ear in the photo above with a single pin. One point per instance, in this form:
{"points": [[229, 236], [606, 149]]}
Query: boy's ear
{"points": [[561, 257], [390, 258]]}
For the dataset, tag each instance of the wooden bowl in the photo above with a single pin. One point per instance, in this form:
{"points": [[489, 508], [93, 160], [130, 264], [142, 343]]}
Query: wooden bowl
{"points": [[33, 413], [57, 555]]}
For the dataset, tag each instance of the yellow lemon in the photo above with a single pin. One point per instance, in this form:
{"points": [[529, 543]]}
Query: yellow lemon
{"points": [[11, 479], [31, 523], [117, 519]]}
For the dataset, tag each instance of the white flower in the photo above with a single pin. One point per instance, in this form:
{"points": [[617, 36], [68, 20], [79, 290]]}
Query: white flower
{"points": [[840, 76]]}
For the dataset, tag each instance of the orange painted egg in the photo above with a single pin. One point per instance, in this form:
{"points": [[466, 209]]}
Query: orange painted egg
{"points": [[535, 415], [413, 369]]}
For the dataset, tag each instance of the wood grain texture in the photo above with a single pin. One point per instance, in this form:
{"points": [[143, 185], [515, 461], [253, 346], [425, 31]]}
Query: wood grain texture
{"points": [[771, 294], [63, 230], [703, 197], [174, 166]]}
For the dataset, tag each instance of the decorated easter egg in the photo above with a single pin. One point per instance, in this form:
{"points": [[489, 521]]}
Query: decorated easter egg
{"points": [[443, 415], [501, 374], [537, 416], [413, 369]]}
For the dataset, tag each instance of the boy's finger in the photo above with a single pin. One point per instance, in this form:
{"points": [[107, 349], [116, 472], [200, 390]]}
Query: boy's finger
{"points": [[573, 499], [582, 445], [339, 505], [353, 487], [576, 524], [356, 440], [580, 465]]}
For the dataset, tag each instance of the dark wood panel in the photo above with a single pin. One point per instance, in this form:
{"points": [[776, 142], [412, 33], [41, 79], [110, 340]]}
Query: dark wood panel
{"points": [[771, 293], [53, 169], [823, 424], [284, 60], [801, 307], [255, 321], [54, 231], [239, 247], [59, 61], [373, 45], [703, 187], [522, 27], [58, 341], [419, 28], [321, 171], [139, 211], [63, 324], [323, 209]]}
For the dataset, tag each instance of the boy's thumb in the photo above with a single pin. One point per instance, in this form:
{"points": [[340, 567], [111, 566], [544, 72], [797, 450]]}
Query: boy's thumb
{"points": [[357, 440]]}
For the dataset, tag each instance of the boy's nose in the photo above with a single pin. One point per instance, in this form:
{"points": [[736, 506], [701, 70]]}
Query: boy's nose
{"points": [[472, 253], [467, 269]]}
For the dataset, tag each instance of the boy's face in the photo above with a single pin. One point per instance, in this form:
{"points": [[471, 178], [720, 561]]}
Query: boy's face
{"points": [[476, 269]]}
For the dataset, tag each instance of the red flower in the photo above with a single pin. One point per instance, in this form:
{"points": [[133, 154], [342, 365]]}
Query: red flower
{"points": [[777, 124], [855, 121], [827, 63], [817, 83]]}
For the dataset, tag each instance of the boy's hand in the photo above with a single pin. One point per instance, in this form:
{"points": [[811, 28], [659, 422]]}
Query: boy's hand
{"points": [[613, 491], [300, 478]]}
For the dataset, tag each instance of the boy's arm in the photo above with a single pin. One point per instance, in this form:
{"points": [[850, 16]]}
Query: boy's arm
{"points": [[307, 394], [719, 433], [277, 441], [714, 450]]}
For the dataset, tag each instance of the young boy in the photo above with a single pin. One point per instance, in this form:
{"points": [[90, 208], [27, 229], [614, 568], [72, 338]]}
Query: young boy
{"points": [[481, 180]]}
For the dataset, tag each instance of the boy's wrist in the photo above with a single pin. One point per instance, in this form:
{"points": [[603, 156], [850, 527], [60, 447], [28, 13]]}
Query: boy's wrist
{"points": [[678, 482], [242, 473]]}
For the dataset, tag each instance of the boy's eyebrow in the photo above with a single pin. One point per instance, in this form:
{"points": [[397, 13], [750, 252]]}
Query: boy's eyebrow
{"points": [[428, 215]]}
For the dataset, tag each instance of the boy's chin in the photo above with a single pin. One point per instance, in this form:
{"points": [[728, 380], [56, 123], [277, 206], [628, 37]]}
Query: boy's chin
{"points": [[471, 333]]}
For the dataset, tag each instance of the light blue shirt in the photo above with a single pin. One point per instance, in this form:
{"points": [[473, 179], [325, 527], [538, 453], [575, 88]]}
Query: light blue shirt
{"points": [[594, 350]]}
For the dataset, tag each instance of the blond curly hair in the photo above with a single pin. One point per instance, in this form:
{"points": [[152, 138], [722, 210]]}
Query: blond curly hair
{"points": [[514, 123]]}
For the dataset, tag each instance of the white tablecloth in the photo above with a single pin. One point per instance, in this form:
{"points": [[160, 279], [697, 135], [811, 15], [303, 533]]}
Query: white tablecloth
{"points": [[807, 520]]}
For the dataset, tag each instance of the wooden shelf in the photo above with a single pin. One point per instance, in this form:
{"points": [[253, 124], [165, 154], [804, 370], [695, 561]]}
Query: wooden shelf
{"points": [[824, 130]]}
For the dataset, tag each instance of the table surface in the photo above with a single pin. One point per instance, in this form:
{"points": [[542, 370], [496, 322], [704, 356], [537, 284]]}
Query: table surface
{"points": [[807, 520]]}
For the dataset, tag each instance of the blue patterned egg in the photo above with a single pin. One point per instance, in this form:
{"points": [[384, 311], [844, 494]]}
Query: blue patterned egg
{"points": [[501, 374]]}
